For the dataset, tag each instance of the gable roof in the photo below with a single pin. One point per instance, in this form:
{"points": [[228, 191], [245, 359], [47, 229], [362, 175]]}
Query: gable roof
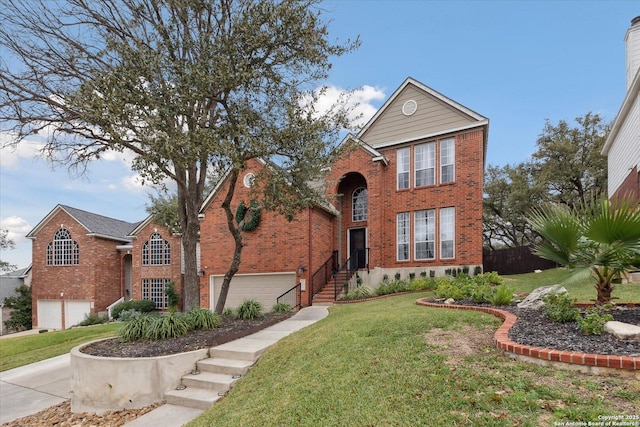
{"points": [[434, 115], [96, 225]]}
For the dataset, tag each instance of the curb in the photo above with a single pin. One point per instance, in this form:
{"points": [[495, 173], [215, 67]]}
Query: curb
{"points": [[621, 364]]}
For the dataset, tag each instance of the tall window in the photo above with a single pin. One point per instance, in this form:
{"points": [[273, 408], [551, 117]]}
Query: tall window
{"points": [[447, 232], [403, 226], [359, 204], [404, 155], [153, 289], [156, 251], [425, 234], [425, 164], [447, 160], [63, 250]]}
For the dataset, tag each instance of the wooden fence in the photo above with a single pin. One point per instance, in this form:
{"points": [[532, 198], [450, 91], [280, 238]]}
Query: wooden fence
{"points": [[514, 261]]}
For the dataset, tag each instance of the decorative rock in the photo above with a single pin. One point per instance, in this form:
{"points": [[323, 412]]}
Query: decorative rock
{"points": [[449, 301], [534, 300], [623, 331]]}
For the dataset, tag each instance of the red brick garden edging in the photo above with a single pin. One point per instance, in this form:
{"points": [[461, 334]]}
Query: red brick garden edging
{"points": [[594, 363]]}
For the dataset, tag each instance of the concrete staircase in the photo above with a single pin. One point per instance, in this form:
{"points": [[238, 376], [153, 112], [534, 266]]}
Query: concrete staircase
{"points": [[213, 377]]}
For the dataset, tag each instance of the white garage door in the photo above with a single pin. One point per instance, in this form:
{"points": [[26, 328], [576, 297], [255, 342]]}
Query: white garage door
{"points": [[50, 314], [265, 288], [75, 311]]}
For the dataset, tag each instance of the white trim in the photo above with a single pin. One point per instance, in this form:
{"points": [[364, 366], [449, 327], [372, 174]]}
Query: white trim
{"points": [[627, 105], [431, 135]]}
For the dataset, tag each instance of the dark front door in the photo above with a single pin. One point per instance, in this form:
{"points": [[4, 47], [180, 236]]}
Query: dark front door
{"points": [[358, 247]]}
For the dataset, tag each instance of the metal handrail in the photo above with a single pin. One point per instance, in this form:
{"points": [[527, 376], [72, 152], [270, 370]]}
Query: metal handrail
{"points": [[322, 274], [350, 268], [294, 294]]}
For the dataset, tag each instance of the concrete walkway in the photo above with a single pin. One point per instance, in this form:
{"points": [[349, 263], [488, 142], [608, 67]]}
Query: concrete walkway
{"points": [[31, 388]]}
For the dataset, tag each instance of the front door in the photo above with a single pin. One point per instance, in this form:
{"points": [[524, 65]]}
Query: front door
{"points": [[358, 247]]}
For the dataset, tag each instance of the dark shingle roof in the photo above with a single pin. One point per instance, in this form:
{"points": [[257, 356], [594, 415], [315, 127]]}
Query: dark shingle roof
{"points": [[102, 225]]}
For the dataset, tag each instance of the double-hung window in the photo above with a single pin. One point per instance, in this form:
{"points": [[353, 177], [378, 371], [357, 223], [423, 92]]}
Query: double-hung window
{"points": [[425, 234], [425, 163], [403, 166], [403, 226], [447, 232], [447, 160]]}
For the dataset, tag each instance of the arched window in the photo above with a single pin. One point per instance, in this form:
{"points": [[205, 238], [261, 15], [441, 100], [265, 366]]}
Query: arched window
{"points": [[63, 250], [359, 204], [156, 251]]}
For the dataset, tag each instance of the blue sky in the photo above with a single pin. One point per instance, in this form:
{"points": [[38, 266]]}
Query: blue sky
{"points": [[516, 62]]}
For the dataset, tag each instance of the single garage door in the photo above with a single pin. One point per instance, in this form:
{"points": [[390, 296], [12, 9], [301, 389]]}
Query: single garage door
{"points": [[49, 314], [265, 288], [75, 311]]}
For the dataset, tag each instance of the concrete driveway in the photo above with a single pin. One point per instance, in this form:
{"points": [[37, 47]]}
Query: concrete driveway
{"points": [[32, 388]]}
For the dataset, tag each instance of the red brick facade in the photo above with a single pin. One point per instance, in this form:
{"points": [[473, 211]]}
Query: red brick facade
{"points": [[95, 278], [630, 187]]}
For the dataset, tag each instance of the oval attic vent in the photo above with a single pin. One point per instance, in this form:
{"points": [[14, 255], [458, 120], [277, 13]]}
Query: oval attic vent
{"points": [[409, 107]]}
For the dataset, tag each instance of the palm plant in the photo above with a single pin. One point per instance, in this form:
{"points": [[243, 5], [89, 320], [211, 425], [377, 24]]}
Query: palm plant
{"points": [[603, 238]]}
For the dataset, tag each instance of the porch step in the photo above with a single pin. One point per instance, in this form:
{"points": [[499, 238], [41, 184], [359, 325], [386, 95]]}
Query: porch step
{"points": [[210, 381], [225, 366], [193, 397]]}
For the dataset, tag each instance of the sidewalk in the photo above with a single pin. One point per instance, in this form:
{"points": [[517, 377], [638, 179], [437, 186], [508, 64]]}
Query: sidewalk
{"points": [[31, 388]]}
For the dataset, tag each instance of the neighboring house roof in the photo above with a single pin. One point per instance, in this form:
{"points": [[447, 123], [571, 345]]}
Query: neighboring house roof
{"points": [[10, 281], [627, 104], [96, 225]]}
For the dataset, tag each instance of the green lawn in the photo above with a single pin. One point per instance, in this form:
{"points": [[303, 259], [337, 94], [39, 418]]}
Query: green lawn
{"points": [[584, 290], [390, 362], [18, 351]]}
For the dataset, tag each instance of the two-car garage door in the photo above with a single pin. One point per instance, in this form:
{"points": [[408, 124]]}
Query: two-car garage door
{"points": [[265, 288], [50, 313]]}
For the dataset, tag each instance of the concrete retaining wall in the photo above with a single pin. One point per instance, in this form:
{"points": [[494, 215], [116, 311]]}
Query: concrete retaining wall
{"points": [[101, 384]]}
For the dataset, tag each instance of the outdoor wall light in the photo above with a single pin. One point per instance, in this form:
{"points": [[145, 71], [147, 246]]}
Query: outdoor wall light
{"points": [[201, 273], [300, 270]]}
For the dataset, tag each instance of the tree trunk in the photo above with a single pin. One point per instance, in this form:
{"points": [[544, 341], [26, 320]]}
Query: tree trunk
{"points": [[237, 238], [604, 293]]}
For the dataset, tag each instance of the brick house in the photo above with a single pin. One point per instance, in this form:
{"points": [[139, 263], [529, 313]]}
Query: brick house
{"points": [[83, 262], [406, 199]]}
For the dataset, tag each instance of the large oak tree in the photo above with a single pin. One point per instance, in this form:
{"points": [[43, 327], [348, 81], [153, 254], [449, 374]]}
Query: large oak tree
{"points": [[186, 86]]}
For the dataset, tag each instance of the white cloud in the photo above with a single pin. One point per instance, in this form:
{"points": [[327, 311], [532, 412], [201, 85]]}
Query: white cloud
{"points": [[18, 228], [131, 183], [359, 101], [10, 154]]}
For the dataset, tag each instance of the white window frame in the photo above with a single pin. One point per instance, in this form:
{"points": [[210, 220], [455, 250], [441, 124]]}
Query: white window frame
{"points": [[359, 204], [403, 231], [63, 250], [153, 289], [424, 233], [447, 160], [425, 161], [447, 232], [403, 168], [156, 251]]}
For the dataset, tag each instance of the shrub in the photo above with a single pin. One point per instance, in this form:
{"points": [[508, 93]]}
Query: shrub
{"points": [[20, 317], [422, 284], [491, 278], [502, 295], [202, 318], [361, 292], [482, 293], [593, 322], [169, 326], [172, 296], [397, 275], [93, 319], [560, 308], [250, 309], [392, 287], [412, 276], [136, 328], [477, 270], [281, 308], [142, 305], [127, 315], [228, 312]]}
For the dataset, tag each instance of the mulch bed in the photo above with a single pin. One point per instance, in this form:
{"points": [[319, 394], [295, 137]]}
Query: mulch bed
{"points": [[533, 328], [231, 329]]}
